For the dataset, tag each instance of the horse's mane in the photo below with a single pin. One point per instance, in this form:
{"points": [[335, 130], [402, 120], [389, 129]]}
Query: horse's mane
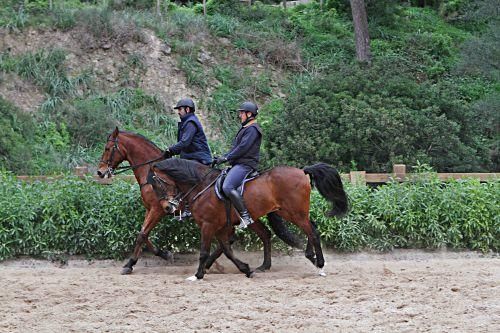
{"points": [[140, 136], [181, 170]]}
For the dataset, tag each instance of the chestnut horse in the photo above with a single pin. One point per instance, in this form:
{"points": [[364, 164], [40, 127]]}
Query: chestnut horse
{"points": [[140, 153], [282, 190]]}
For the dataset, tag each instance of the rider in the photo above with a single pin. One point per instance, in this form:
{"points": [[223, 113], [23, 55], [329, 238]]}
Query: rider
{"points": [[192, 143], [243, 157], [191, 140]]}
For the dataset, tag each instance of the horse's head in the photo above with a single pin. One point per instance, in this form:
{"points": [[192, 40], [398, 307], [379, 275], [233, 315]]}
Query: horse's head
{"points": [[112, 156], [165, 188]]}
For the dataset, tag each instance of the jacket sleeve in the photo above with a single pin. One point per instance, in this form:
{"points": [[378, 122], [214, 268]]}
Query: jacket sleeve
{"points": [[185, 140], [248, 140]]}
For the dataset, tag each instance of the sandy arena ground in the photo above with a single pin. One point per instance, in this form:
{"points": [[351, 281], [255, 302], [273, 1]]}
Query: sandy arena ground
{"points": [[402, 291]]}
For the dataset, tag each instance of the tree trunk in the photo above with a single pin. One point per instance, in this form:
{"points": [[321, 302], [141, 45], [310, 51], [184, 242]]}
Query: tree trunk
{"points": [[158, 8], [360, 22], [284, 4], [204, 7]]}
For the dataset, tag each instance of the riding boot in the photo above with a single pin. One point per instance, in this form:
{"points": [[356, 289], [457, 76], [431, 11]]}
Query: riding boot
{"points": [[239, 204]]}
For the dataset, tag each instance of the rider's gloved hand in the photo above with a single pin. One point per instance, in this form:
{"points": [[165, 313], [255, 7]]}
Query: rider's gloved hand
{"points": [[167, 153], [219, 160]]}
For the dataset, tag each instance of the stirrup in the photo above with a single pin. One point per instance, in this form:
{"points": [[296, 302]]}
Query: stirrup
{"points": [[183, 215], [245, 222]]}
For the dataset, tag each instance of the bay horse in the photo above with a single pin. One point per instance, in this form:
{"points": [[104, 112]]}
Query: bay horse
{"points": [[283, 191], [141, 153]]}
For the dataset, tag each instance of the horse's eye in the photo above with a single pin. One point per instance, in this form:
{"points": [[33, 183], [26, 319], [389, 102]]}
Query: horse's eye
{"points": [[106, 149]]}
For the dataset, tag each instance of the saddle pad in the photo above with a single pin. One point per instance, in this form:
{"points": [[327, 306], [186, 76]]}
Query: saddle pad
{"points": [[220, 180]]}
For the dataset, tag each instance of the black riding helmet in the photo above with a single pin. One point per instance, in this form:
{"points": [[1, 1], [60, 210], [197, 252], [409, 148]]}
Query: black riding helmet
{"points": [[185, 102], [249, 107]]}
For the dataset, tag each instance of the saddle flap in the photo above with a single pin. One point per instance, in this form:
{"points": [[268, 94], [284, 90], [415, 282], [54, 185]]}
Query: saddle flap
{"points": [[220, 181]]}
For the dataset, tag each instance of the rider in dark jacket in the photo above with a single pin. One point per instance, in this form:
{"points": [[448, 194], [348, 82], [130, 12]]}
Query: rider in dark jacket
{"points": [[243, 157], [191, 140]]}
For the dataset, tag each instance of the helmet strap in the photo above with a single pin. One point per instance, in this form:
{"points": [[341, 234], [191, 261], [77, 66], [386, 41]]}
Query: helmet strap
{"points": [[249, 119]]}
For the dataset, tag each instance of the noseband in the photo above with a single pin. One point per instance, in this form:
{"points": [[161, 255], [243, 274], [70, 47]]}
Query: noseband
{"points": [[115, 148]]}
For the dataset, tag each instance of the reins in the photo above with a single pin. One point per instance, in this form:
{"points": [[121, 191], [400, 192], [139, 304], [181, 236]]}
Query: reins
{"points": [[122, 169], [194, 186]]}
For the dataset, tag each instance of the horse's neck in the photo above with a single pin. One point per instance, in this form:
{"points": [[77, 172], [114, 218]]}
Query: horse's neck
{"points": [[140, 152]]}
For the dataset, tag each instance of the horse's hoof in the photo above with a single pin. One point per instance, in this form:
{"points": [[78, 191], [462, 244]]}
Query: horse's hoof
{"points": [[192, 278], [250, 275], [262, 269], [126, 270], [167, 255], [321, 272]]}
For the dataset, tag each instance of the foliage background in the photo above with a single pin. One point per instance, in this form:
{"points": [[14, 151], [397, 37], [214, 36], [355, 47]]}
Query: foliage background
{"points": [[72, 216], [427, 97]]}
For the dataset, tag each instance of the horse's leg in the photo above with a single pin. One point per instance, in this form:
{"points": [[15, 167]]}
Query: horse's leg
{"points": [[218, 251], [228, 251], [167, 255], [151, 219], [213, 257], [320, 260], [310, 251], [265, 236], [207, 233], [313, 249]]}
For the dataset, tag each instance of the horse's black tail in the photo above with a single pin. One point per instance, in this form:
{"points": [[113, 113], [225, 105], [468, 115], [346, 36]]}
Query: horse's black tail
{"points": [[327, 181], [280, 229]]}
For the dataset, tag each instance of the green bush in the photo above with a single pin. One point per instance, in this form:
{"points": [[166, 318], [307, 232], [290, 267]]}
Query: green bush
{"points": [[380, 115], [80, 217], [421, 214], [16, 140], [73, 216]]}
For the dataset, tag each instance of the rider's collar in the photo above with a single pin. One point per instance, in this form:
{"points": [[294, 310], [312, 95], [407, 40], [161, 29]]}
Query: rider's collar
{"points": [[248, 122], [186, 116]]}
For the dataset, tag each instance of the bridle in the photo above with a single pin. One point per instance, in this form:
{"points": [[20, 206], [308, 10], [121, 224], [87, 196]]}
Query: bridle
{"points": [[111, 170], [117, 170]]}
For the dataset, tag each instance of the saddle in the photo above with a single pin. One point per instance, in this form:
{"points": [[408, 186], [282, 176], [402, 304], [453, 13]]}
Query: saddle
{"points": [[220, 180]]}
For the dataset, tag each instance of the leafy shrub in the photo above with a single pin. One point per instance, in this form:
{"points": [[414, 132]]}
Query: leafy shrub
{"points": [[17, 130], [74, 216], [46, 69], [94, 117], [421, 214], [484, 63], [13, 19], [136, 4], [376, 117], [223, 26], [86, 120]]}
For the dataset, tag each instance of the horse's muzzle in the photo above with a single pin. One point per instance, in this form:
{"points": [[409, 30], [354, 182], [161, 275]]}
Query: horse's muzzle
{"points": [[107, 173]]}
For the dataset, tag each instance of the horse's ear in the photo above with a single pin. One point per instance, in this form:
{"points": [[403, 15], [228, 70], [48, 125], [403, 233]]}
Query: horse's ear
{"points": [[115, 132]]}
